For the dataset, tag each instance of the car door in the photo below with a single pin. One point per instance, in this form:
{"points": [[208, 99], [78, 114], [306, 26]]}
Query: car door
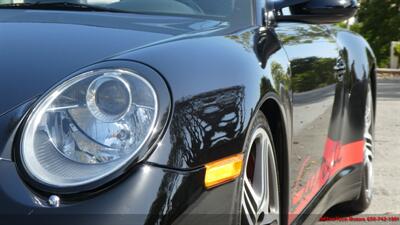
{"points": [[317, 72]]}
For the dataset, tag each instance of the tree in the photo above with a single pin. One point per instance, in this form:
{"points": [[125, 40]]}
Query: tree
{"points": [[379, 23], [397, 52]]}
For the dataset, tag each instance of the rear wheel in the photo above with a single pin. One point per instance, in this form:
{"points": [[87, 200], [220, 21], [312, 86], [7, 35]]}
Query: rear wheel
{"points": [[365, 197], [260, 203]]}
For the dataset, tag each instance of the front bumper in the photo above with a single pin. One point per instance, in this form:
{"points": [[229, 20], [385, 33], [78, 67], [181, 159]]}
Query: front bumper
{"points": [[149, 195]]}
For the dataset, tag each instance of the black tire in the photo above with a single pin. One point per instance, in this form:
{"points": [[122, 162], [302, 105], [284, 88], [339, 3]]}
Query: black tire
{"points": [[357, 206], [363, 201], [249, 181], [365, 197]]}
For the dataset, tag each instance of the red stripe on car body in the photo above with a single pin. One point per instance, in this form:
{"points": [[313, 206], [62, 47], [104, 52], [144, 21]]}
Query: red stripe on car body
{"points": [[336, 157]]}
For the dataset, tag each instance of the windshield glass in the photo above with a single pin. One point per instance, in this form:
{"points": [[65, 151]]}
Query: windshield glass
{"points": [[215, 8]]}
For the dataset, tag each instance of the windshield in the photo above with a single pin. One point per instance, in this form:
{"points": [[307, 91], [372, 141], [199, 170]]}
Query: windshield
{"points": [[215, 8]]}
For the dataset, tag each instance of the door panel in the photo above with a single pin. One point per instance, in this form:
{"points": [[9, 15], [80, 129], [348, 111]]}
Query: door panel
{"points": [[316, 81]]}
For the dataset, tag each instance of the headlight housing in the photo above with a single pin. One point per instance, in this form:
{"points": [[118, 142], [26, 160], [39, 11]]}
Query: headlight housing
{"points": [[89, 127]]}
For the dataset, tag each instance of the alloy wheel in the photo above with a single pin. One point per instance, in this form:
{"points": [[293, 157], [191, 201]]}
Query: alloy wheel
{"points": [[369, 144], [260, 194]]}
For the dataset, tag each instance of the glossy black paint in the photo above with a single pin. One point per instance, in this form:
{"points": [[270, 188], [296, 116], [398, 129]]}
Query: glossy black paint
{"points": [[217, 75], [161, 193], [344, 186], [207, 116], [52, 45], [317, 91], [360, 71]]}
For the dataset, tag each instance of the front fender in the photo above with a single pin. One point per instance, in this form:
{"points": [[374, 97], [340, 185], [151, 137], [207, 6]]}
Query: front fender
{"points": [[217, 83]]}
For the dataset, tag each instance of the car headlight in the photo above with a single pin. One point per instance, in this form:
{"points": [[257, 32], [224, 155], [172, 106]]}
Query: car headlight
{"points": [[88, 127]]}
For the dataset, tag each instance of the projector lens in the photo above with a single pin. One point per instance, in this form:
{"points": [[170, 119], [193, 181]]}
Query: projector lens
{"points": [[109, 98]]}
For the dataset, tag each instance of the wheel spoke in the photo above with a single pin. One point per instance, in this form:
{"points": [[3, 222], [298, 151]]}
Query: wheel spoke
{"points": [[247, 217], [270, 219], [273, 183], [250, 197], [260, 198], [267, 191], [369, 144]]}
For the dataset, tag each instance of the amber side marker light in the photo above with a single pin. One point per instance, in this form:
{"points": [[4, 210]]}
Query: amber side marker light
{"points": [[223, 171]]}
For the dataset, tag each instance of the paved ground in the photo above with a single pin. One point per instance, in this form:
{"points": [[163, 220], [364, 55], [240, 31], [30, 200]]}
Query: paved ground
{"points": [[387, 159]]}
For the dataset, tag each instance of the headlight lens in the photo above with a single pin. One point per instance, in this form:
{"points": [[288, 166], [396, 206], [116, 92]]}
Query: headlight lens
{"points": [[88, 127]]}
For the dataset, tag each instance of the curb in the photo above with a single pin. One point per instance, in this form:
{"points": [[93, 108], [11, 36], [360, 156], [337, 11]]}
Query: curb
{"points": [[388, 73]]}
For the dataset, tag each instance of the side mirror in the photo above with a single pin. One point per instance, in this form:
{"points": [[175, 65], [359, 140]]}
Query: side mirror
{"points": [[315, 11]]}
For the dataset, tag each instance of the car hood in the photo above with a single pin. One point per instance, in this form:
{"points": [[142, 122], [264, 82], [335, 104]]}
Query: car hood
{"points": [[39, 48]]}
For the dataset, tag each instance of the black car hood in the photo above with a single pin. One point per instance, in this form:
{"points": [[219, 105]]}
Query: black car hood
{"points": [[40, 48]]}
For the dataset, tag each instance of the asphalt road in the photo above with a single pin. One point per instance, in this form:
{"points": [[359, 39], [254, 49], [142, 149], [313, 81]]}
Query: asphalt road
{"points": [[386, 202]]}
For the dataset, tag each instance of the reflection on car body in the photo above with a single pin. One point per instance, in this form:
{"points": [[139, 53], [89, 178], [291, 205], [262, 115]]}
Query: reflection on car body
{"points": [[183, 112]]}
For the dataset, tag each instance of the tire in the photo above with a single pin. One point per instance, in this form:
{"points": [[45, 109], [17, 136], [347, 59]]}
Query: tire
{"points": [[260, 203], [365, 197]]}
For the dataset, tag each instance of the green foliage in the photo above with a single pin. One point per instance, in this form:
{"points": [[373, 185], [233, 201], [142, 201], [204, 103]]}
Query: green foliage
{"points": [[379, 23], [356, 27], [397, 50], [305, 71], [342, 24]]}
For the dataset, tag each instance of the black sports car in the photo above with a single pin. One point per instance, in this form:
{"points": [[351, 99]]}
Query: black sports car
{"points": [[183, 112]]}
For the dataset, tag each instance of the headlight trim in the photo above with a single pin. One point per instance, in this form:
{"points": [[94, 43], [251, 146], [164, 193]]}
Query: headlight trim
{"points": [[164, 108]]}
